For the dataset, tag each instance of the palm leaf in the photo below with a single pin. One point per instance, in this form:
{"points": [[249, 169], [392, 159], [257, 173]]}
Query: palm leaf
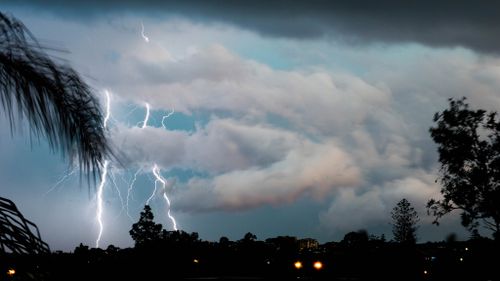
{"points": [[58, 104]]}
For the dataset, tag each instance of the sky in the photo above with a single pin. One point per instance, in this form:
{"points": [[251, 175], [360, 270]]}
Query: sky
{"points": [[302, 118]]}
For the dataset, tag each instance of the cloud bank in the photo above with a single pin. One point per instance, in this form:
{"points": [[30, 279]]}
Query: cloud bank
{"points": [[273, 136], [444, 24], [347, 143]]}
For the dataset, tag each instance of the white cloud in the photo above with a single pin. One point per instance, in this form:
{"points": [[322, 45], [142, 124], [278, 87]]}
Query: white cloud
{"points": [[251, 159], [226, 145], [274, 135], [340, 130], [310, 169], [372, 207], [362, 142], [216, 79], [250, 165], [222, 145]]}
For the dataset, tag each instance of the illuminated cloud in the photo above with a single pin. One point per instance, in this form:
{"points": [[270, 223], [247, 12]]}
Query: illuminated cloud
{"points": [[341, 129]]}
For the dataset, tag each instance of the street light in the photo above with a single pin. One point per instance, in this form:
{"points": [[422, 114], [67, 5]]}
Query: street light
{"points": [[11, 272], [318, 265]]}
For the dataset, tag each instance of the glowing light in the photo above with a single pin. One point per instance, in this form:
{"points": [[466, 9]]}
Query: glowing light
{"points": [[156, 171], [103, 176], [61, 180], [461, 259], [99, 202], [152, 195], [142, 33], [129, 190], [318, 265], [466, 248], [425, 272], [196, 261], [11, 272], [174, 223], [144, 124], [298, 265], [165, 117], [163, 181], [159, 178], [108, 109], [146, 118], [113, 180]]}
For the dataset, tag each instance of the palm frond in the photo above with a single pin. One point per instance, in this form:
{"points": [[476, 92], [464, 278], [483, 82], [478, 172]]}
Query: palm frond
{"points": [[58, 104]]}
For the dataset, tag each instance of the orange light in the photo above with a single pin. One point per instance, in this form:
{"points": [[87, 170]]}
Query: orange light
{"points": [[298, 265], [318, 265], [11, 272]]}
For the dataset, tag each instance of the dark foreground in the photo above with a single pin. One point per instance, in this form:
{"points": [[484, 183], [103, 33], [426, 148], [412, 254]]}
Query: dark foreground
{"points": [[472, 260]]}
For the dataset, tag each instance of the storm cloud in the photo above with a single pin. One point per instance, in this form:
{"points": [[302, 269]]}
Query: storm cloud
{"points": [[446, 23], [270, 129]]}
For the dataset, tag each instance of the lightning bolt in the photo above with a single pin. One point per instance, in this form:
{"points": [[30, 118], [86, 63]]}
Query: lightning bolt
{"points": [[159, 178], [108, 109], [174, 223], [152, 195], [144, 124], [146, 118], [68, 174], [165, 117], [156, 170], [142, 33], [99, 201], [129, 190], [113, 181], [103, 175]]}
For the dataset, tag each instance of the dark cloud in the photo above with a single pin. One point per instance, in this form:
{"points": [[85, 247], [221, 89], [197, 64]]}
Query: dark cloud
{"points": [[447, 23]]}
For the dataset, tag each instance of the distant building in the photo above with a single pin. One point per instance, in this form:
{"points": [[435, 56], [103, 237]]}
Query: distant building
{"points": [[308, 244]]}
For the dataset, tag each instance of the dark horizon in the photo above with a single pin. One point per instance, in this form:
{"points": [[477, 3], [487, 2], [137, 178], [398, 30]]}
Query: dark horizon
{"points": [[357, 257]]}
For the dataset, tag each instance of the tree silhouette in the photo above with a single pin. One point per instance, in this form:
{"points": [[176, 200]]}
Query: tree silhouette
{"points": [[146, 230], [224, 241], [249, 237], [179, 237], [81, 250], [469, 151], [404, 225], [355, 239], [54, 99]]}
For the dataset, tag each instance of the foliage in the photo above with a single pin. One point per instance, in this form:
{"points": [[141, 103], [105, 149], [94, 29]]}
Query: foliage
{"points": [[469, 152], [81, 249], [451, 238], [224, 241], [179, 237], [249, 237], [355, 239], [146, 231], [56, 101], [404, 225]]}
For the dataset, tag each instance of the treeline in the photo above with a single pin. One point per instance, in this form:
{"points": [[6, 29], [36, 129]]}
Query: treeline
{"points": [[178, 255]]}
